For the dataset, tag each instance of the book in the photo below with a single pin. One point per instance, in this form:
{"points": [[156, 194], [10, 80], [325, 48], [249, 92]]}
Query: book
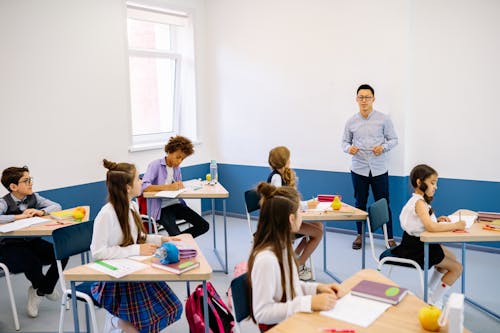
{"points": [[185, 250], [179, 267], [328, 197], [379, 291]]}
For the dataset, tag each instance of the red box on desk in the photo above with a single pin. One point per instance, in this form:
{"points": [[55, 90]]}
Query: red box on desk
{"points": [[328, 197]]}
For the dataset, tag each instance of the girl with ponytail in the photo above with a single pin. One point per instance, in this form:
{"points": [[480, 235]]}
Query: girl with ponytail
{"points": [[118, 233], [418, 216], [275, 289]]}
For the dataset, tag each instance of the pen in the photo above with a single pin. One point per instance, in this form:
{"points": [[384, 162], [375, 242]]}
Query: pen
{"points": [[345, 330]]}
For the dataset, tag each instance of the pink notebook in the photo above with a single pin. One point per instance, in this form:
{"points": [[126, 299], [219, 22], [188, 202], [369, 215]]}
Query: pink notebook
{"points": [[379, 291]]}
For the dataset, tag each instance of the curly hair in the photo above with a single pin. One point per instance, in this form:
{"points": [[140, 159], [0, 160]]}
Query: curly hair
{"points": [[181, 143]]}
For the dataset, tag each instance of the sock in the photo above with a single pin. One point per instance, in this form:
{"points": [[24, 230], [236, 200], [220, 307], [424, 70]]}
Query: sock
{"points": [[438, 293], [435, 278]]}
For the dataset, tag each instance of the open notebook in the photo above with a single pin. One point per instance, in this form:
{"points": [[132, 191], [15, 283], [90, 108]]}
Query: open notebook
{"points": [[469, 219]]}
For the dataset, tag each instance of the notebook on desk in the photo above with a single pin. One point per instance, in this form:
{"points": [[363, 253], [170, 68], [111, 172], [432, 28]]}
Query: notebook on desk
{"points": [[379, 291]]}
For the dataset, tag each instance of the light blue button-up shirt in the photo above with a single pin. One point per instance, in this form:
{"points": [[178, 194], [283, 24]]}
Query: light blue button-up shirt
{"points": [[366, 133], [41, 203]]}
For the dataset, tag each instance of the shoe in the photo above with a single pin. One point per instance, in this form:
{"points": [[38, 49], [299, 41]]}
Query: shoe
{"points": [[356, 245], [111, 324], [54, 296], [305, 273], [392, 243], [33, 302]]}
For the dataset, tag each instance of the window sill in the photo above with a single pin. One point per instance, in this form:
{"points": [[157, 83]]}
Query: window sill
{"points": [[152, 146]]}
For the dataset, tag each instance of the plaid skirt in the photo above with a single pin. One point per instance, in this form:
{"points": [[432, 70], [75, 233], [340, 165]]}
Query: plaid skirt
{"points": [[149, 306]]}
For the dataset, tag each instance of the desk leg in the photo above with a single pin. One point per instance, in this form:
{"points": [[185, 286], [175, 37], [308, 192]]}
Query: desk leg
{"points": [[463, 270], [426, 271], [223, 264], [363, 243], [74, 305], [205, 307], [324, 250], [150, 222]]}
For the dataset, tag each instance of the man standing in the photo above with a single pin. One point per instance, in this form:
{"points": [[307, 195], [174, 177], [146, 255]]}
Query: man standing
{"points": [[368, 136]]}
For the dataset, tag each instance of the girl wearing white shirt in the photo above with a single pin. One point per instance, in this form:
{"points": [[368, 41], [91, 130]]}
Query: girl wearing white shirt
{"points": [[416, 217], [118, 233], [275, 289]]}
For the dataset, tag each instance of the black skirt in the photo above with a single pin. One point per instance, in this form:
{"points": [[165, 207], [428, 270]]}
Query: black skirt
{"points": [[412, 247]]}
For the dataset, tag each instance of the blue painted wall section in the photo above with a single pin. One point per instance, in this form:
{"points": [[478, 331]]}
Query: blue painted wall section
{"points": [[452, 194]]}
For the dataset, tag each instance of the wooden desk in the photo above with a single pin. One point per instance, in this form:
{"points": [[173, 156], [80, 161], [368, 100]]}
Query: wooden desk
{"points": [[202, 273], [207, 191], [346, 213], [475, 234], [46, 228], [402, 318]]}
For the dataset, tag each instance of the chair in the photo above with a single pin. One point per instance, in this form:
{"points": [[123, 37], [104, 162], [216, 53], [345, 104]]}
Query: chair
{"points": [[11, 295], [68, 241], [149, 222], [378, 216], [252, 204], [240, 299]]}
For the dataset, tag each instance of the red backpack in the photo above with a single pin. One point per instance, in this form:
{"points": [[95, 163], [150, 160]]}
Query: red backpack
{"points": [[220, 318]]}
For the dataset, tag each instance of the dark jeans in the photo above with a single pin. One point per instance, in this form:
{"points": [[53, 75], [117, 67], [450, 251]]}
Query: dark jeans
{"points": [[380, 189], [170, 214], [29, 256]]}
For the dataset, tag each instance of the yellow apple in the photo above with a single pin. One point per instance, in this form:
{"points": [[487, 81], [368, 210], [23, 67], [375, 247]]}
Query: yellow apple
{"points": [[79, 213], [428, 317]]}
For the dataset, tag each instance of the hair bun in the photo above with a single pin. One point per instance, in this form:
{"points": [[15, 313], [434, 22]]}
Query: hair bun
{"points": [[266, 190], [109, 165]]}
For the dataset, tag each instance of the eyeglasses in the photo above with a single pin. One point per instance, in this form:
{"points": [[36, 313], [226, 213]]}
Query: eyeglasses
{"points": [[364, 98], [27, 180]]}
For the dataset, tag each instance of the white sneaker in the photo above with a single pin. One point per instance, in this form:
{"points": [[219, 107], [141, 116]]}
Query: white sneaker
{"points": [[111, 324], [305, 273], [54, 296], [33, 302]]}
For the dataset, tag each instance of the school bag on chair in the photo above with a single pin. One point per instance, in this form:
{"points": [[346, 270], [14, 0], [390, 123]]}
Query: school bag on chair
{"points": [[220, 318]]}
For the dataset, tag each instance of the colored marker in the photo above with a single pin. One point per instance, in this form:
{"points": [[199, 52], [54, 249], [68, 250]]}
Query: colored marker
{"points": [[104, 264]]}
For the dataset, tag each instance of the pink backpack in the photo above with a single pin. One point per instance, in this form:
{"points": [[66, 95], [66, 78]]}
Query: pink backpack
{"points": [[220, 318], [239, 269]]}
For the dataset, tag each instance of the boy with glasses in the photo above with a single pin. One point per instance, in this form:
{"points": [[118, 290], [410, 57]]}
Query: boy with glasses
{"points": [[368, 136], [28, 255]]}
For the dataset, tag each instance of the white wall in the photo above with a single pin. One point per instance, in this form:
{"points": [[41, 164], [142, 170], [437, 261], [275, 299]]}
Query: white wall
{"points": [[64, 102], [286, 71], [269, 72]]}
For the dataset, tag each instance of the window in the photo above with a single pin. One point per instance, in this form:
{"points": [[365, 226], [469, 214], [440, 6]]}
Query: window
{"points": [[161, 73]]}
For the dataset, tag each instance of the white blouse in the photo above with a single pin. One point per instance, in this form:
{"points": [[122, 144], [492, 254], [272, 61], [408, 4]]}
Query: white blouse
{"points": [[267, 291], [410, 221], [108, 235]]}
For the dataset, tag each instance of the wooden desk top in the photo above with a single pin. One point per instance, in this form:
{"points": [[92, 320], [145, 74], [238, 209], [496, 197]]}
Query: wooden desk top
{"points": [[475, 234], [346, 213], [203, 272], [46, 228], [206, 192], [402, 318]]}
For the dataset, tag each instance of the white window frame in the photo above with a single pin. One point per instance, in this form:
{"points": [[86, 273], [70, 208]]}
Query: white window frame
{"points": [[158, 140]]}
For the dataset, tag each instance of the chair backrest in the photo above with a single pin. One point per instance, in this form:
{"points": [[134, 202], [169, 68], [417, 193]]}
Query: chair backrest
{"points": [[73, 239], [378, 214], [240, 297], [252, 201]]}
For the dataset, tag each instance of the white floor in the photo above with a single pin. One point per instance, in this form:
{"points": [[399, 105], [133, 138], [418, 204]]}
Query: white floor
{"points": [[482, 281]]}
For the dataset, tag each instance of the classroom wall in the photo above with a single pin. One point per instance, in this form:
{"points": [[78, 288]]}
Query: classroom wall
{"points": [[269, 72], [64, 100]]}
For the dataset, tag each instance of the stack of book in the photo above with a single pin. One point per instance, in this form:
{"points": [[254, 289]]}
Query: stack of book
{"points": [[186, 251], [488, 216], [379, 291]]}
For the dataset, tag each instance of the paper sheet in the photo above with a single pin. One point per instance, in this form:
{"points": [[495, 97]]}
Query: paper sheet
{"points": [[357, 310], [117, 267], [23, 223], [469, 219], [170, 194]]}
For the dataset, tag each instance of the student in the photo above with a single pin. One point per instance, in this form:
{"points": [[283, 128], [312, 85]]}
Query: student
{"points": [[165, 174], [282, 175], [368, 136], [274, 286], [416, 217], [28, 255], [118, 233]]}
